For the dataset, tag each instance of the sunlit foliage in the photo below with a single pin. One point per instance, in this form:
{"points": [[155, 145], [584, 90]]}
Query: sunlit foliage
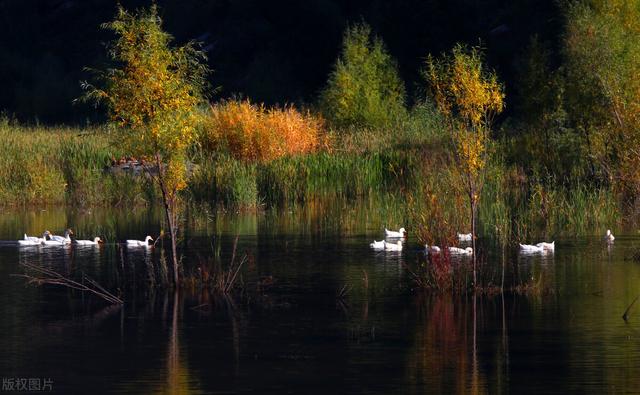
{"points": [[364, 88], [254, 132], [152, 96], [469, 96]]}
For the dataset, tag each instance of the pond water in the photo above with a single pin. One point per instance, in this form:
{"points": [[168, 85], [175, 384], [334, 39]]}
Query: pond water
{"points": [[296, 334]]}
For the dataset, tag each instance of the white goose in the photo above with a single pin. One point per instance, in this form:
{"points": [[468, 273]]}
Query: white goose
{"points": [[528, 248], [609, 236], [377, 245], [392, 233], [139, 243], [460, 251], [547, 246], [432, 249], [96, 240], [465, 236], [57, 240], [393, 247], [29, 243], [35, 238], [54, 240], [32, 240]]}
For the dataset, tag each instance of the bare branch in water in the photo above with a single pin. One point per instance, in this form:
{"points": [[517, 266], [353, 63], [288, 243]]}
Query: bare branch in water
{"points": [[231, 281], [228, 277], [625, 316], [215, 275], [343, 292], [43, 275]]}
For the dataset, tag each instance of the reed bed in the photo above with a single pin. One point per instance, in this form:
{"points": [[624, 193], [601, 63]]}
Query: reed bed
{"points": [[60, 165], [545, 209], [50, 165], [296, 179]]}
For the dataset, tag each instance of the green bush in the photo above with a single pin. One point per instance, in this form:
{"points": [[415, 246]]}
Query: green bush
{"points": [[364, 88]]}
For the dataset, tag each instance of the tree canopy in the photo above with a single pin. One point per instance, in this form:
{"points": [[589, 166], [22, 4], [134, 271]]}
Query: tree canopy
{"points": [[364, 88], [152, 94]]}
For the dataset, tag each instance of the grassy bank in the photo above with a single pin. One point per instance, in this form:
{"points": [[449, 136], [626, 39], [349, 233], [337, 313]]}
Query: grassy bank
{"points": [[410, 165], [514, 208], [59, 165]]}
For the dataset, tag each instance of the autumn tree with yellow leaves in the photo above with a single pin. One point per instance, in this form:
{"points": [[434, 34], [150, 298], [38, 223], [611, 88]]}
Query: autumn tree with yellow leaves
{"points": [[152, 95], [468, 96]]}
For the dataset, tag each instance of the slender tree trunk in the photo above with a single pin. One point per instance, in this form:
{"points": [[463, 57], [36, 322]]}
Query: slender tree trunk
{"points": [[503, 264], [473, 235], [169, 210], [174, 239]]}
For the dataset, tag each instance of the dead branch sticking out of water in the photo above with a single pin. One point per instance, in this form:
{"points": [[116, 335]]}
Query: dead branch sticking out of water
{"points": [[43, 276], [230, 276], [625, 316]]}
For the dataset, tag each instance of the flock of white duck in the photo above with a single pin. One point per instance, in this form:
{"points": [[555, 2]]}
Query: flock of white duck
{"points": [[394, 240], [49, 239], [462, 237]]}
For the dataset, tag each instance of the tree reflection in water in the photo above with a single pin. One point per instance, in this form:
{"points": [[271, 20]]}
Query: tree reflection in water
{"points": [[445, 357]]}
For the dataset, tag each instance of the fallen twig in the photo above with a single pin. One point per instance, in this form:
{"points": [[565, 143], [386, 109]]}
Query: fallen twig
{"points": [[48, 276]]}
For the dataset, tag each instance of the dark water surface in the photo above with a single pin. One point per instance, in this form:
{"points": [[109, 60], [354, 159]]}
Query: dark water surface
{"points": [[294, 334]]}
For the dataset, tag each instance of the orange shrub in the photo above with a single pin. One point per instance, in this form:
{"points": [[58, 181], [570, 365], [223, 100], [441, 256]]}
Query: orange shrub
{"points": [[253, 132]]}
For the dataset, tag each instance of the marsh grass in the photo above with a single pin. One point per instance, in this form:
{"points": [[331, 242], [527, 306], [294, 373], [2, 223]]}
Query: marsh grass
{"points": [[60, 165], [224, 180], [534, 208], [297, 179], [211, 274], [409, 165], [442, 272]]}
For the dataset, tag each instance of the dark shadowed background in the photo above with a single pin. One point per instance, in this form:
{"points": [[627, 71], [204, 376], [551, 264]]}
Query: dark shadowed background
{"points": [[277, 51]]}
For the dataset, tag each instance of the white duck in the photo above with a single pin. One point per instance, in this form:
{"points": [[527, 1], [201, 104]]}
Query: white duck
{"points": [[96, 240], [528, 248], [547, 246], [377, 245], [432, 249], [139, 243], [609, 236], [460, 251], [54, 240], [392, 233], [465, 236], [393, 247]]}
